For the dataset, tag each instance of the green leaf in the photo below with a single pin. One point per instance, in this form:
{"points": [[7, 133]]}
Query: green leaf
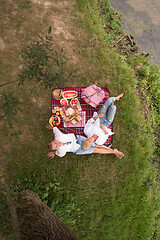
{"points": [[49, 30], [70, 75], [40, 37], [65, 58]]}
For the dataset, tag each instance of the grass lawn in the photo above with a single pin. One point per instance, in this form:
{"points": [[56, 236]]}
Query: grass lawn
{"points": [[98, 196]]}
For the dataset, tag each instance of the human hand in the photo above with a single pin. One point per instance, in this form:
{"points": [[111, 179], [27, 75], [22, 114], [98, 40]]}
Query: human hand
{"points": [[48, 126], [101, 115], [51, 154]]}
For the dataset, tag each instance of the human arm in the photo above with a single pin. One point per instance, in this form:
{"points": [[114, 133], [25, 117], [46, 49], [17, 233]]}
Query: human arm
{"points": [[48, 126], [103, 128], [58, 153], [99, 116]]}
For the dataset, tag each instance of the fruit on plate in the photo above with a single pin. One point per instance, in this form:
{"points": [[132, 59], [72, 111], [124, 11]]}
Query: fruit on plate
{"points": [[70, 94], [54, 121], [64, 102], [74, 102]]}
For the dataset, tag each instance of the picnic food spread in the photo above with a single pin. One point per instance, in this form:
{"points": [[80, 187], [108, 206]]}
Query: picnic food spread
{"points": [[71, 106], [57, 110], [72, 115], [71, 109], [69, 97]]}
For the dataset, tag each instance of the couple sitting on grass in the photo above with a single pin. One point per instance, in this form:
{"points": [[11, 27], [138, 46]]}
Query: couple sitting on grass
{"points": [[96, 129]]}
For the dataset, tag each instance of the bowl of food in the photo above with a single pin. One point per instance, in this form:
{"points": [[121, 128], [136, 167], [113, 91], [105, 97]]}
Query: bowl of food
{"points": [[54, 121]]}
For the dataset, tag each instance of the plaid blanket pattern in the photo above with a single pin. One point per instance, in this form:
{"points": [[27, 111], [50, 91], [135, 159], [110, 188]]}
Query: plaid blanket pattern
{"points": [[89, 113]]}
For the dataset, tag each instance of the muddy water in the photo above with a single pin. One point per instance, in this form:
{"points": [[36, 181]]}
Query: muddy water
{"points": [[142, 18]]}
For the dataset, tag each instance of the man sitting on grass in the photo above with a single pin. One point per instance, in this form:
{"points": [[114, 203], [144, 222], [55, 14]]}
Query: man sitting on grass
{"points": [[64, 143], [96, 128]]}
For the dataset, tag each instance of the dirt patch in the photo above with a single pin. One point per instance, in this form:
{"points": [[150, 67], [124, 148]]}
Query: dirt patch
{"points": [[48, 4], [20, 25], [2, 45]]}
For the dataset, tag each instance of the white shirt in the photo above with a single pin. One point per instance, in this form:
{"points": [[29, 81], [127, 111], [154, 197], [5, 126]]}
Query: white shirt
{"points": [[64, 138], [93, 127]]}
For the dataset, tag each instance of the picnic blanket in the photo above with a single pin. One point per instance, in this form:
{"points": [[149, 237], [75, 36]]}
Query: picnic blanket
{"points": [[89, 110]]}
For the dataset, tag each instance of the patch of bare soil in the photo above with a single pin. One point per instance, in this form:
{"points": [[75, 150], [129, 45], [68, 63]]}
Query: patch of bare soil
{"points": [[2, 45], [61, 21], [20, 25]]}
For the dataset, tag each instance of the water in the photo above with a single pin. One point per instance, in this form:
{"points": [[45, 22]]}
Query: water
{"points": [[142, 18]]}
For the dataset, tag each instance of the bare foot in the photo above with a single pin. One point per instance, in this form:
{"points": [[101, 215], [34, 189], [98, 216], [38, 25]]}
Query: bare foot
{"points": [[119, 96], [118, 154]]}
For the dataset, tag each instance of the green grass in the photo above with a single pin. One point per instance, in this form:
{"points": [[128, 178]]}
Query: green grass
{"points": [[98, 197]]}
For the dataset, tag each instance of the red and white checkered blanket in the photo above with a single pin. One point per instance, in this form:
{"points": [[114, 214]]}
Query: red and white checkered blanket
{"points": [[89, 110]]}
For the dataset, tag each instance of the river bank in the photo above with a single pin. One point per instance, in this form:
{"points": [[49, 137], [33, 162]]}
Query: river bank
{"points": [[141, 18]]}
